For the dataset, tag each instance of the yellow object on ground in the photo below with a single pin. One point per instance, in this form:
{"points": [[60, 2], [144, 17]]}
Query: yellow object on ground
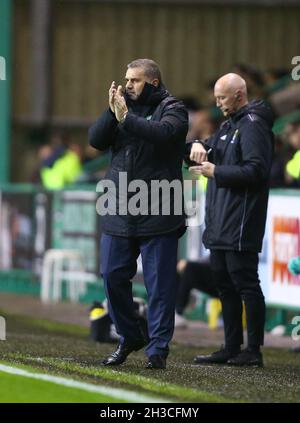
{"points": [[96, 313], [215, 309]]}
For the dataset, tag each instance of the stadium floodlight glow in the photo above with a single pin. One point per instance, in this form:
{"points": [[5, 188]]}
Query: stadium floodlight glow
{"points": [[2, 69], [2, 329], [296, 70]]}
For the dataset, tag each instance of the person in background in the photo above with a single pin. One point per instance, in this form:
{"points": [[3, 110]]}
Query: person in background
{"points": [[292, 169], [192, 275], [59, 162], [254, 79], [203, 125]]}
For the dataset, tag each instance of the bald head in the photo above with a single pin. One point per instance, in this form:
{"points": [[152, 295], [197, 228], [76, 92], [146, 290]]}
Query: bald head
{"points": [[231, 93], [231, 82]]}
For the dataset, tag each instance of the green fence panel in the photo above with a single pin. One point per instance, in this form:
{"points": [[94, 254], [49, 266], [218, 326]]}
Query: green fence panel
{"points": [[5, 82]]}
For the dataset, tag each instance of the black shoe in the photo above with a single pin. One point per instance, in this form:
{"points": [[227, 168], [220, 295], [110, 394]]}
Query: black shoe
{"points": [[120, 354], [247, 358], [219, 357], [156, 362]]}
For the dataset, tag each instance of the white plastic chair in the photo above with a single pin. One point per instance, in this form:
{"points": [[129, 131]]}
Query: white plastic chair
{"points": [[67, 265]]}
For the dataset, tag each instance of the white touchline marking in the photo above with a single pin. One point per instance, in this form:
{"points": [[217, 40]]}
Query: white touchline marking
{"points": [[71, 383]]}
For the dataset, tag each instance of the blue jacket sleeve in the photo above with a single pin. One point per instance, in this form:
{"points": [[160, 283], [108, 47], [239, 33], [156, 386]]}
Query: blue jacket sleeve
{"points": [[103, 132], [257, 150], [171, 128]]}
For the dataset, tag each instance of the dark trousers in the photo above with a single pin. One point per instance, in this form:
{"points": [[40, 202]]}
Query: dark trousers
{"points": [[159, 258], [195, 275], [236, 277]]}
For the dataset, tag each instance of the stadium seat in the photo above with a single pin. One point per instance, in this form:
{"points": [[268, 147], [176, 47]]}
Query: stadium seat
{"points": [[64, 265]]}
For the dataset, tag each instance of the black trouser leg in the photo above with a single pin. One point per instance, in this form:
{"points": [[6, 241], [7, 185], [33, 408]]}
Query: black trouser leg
{"points": [[232, 307], [195, 275], [184, 289], [242, 267]]}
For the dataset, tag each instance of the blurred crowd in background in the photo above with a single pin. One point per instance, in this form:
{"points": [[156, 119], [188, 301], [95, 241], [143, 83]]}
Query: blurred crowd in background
{"points": [[60, 161]]}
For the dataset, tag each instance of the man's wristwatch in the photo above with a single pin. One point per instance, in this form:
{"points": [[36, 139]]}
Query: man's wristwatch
{"points": [[199, 142], [207, 148]]}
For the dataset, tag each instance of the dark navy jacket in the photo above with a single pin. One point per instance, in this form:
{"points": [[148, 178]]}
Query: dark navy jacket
{"points": [[237, 198], [148, 146]]}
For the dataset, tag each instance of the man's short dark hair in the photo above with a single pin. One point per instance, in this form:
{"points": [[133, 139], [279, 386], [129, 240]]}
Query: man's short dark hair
{"points": [[150, 67]]}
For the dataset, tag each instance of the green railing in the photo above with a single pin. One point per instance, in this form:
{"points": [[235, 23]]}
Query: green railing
{"points": [[5, 95], [66, 211]]}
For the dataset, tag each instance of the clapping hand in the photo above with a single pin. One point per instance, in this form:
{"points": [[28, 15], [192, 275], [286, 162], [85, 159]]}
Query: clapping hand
{"points": [[120, 104], [111, 96]]}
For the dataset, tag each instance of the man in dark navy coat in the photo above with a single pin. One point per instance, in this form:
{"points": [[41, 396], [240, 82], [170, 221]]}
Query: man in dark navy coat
{"points": [[238, 169], [145, 130]]}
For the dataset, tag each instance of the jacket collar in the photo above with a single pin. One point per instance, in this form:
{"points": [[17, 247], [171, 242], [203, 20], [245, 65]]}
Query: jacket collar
{"points": [[150, 96], [235, 117]]}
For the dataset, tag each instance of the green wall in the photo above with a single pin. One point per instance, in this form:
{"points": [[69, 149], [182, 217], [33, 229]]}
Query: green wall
{"points": [[5, 96]]}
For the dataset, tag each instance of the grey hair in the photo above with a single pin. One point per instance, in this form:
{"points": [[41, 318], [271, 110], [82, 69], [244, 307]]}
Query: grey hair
{"points": [[150, 67]]}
